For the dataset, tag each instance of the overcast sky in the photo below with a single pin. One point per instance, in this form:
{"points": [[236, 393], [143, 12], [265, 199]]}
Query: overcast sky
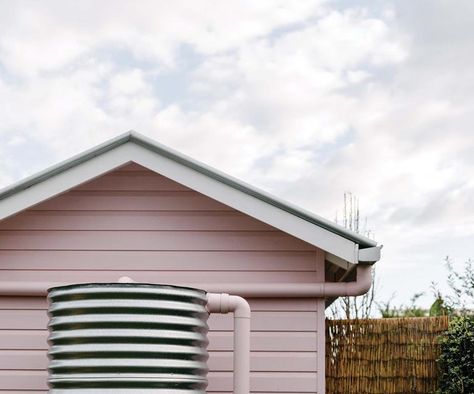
{"points": [[305, 99]]}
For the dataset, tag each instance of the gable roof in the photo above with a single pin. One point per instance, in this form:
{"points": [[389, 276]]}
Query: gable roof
{"points": [[342, 246]]}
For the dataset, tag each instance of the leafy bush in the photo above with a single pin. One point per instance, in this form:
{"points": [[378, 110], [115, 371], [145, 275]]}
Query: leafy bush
{"points": [[456, 361]]}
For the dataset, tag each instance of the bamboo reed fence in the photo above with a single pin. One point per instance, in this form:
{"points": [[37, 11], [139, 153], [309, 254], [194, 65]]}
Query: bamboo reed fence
{"points": [[383, 356]]}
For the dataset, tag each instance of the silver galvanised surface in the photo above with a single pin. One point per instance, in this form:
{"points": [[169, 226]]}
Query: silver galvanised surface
{"points": [[127, 338]]}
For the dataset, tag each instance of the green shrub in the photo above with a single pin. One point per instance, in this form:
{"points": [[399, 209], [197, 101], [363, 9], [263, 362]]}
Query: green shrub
{"points": [[456, 361]]}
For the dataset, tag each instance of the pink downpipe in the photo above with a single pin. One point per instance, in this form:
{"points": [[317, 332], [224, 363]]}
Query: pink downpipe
{"points": [[225, 303], [249, 290]]}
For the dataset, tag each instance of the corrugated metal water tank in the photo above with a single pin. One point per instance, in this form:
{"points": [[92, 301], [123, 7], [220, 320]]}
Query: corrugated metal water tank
{"points": [[127, 338]]}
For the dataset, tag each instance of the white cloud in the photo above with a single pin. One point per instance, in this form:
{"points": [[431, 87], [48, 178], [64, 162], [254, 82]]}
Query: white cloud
{"points": [[305, 98], [128, 83], [292, 86], [199, 135], [40, 37]]}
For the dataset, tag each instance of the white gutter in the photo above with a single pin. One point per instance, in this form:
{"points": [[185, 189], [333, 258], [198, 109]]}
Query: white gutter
{"points": [[249, 290]]}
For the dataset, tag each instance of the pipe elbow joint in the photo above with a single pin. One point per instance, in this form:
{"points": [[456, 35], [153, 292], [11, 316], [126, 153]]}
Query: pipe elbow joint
{"points": [[363, 282], [240, 307], [345, 289]]}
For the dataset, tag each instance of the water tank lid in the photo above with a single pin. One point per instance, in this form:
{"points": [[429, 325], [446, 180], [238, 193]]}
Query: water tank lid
{"points": [[124, 286]]}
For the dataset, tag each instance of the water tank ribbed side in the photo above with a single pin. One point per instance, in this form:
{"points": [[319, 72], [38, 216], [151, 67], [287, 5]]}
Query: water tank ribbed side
{"points": [[127, 337]]}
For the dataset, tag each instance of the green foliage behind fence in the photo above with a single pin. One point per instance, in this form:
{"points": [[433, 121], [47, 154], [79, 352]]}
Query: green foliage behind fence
{"points": [[383, 356], [457, 357]]}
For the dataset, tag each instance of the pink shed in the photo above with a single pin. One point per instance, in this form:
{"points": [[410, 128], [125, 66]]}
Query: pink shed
{"points": [[132, 207]]}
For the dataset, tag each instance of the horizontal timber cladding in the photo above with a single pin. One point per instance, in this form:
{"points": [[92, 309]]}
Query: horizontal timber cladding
{"points": [[132, 201], [135, 220], [218, 361], [261, 321], [136, 223], [187, 277], [60, 260], [218, 381], [150, 240], [283, 342]]}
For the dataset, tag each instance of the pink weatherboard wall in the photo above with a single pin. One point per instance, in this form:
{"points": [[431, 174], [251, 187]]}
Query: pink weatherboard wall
{"points": [[133, 222]]}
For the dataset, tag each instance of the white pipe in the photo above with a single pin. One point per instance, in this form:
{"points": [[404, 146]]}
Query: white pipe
{"points": [[249, 290], [225, 303], [241, 345]]}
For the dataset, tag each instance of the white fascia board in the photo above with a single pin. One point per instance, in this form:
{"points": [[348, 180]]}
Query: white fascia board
{"points": [[129, 151], [370, 255], [250, 205], [65, 180], [237, 184]]}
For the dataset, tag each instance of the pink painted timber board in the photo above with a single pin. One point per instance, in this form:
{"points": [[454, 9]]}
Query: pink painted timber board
{"points": [[137, 223]]}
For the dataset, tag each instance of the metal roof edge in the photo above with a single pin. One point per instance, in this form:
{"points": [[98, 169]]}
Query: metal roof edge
{"points": [[64, 165], [141, 140], [262, 195]]}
